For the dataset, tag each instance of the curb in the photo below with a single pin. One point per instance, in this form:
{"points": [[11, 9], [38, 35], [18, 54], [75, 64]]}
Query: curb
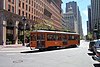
{"points": [[15, 49], [1, 46]]}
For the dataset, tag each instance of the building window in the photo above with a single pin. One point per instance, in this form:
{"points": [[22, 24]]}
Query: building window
{"points": [[32, 10], [22, 13], [29, 8], [32, 17], [49, 1], [9, 7], [19, 3], [26, 7], [12, 9], [26, 15], [26, 1], [29, 1], [23, 5], [29, 16], [19, 11], [32, 3], [47, 13], [35, 5], [9, 0]]}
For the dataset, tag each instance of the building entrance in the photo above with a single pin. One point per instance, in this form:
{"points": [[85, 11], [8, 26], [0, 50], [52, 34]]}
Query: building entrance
{"points": [[10, 32]]}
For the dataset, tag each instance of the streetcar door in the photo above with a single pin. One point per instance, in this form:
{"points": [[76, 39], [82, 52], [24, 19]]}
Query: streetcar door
{"points": [[40, 40], [64, 39]]}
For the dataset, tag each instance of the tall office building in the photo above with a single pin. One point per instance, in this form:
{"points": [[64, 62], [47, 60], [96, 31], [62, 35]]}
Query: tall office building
{"points": [[79, 25], [74, 7], [46, 12], [89, 20], [77, 17], [71, 20], [65, 22], [95, 17], [71, 13]]}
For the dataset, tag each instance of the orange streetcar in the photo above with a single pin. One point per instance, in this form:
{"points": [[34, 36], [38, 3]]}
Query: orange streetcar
{"points": [[41, 39]]}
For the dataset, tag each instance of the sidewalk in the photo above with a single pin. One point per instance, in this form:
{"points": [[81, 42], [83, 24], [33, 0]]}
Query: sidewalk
{"points": [[14, 48], [1, 47]]}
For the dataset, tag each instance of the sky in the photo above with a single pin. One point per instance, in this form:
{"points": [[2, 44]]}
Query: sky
{"points": [[83, 7]]}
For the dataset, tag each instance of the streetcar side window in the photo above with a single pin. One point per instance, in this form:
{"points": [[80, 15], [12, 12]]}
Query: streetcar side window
{"points": [[53, 37], [57, 37], [64, 37], [49, 37], [40, 37], [71, 37], [76, 37]]}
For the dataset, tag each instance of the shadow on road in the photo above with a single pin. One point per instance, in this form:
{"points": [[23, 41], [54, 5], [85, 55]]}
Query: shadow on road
{"points": [[96, 65], [36, 51], [44, 50]]}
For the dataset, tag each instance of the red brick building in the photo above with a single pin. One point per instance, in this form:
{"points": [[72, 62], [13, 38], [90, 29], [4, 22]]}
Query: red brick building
{"points": [[47, 12]]}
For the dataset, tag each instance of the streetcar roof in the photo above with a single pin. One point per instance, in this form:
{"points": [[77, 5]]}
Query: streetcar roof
{"points": [[53, 32]]}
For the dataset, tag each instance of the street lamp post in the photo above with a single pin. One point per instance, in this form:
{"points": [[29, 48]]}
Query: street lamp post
{"points": [[24, 19]]}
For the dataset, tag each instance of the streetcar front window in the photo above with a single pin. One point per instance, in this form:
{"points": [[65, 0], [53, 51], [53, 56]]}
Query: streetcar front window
{"points": [[33, 37], [40, 37]]}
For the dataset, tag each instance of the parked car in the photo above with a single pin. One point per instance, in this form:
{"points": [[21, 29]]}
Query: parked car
{"points": [[96, 49], [97, 56], [96, 46], [91, 44]]}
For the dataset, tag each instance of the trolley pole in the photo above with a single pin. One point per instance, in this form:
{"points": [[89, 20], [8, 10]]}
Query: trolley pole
{"points": [[24, 19]]}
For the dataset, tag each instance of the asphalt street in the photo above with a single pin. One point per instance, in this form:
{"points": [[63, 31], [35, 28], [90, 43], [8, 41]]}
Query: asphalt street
{"points": [[70, 57]]}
